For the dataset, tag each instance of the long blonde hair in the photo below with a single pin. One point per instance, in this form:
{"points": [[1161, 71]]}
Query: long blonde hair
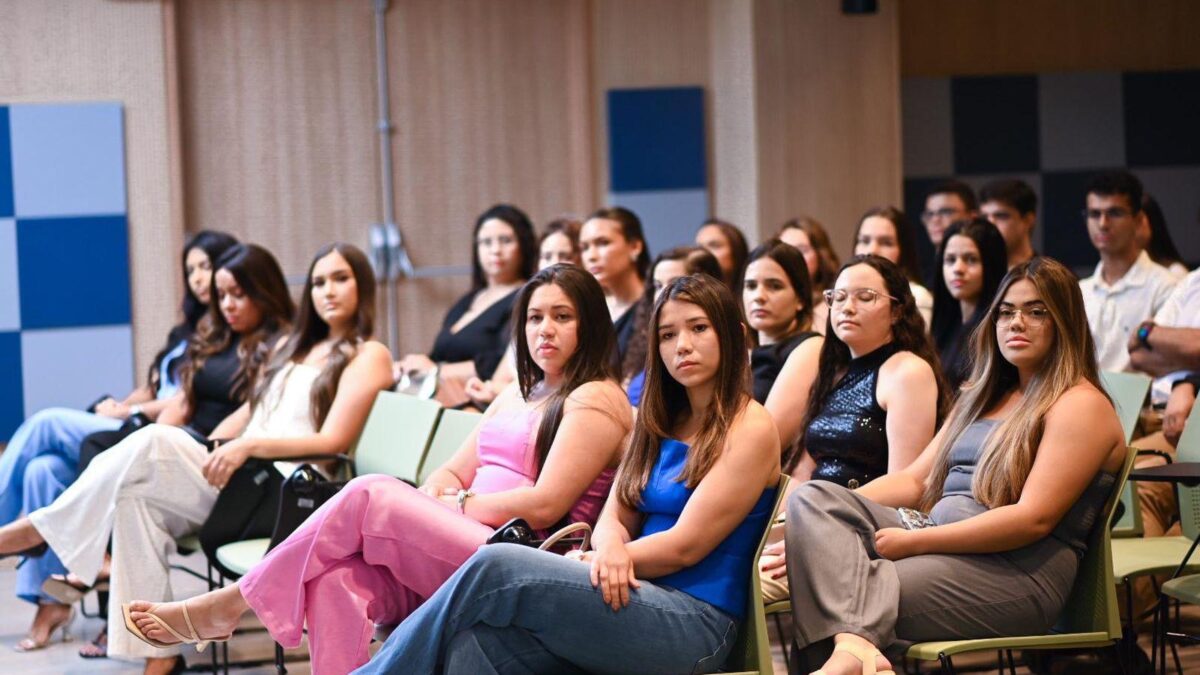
{"points": [[1008, 452]]}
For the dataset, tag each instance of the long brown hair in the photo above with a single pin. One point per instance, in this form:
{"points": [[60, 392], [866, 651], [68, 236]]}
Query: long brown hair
{"points": [[311, 329], [596, 339], [908, 334], [260, 277], [664, 400], [1009, 450], [818, 238], [905, 238]]}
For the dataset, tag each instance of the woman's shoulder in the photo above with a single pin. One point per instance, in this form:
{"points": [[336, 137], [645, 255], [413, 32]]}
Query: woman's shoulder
{"points": [[905, 367], [754, 426], [603, 394], [372, 354], [1082, 401]]}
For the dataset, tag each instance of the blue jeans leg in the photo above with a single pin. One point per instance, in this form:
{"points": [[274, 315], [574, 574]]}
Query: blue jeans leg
{"points": [[52, 431], [552, 600], [487, 650], [46, 477]]}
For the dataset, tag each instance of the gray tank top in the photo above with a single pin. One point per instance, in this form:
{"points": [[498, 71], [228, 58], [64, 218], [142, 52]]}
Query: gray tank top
{"points": [[958, 499]]}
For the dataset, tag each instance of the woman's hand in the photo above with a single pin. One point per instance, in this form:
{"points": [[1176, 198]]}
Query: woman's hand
{"points": [[438, 491], [774, 560], [612, 572], [1179, 406], [480, 392], [416, 364], [112, 408], [223, 461], [896, 543]]}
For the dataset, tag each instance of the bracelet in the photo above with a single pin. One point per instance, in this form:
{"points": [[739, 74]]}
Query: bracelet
{"points": [[135, 409], [1143, 334], [462, 500]]}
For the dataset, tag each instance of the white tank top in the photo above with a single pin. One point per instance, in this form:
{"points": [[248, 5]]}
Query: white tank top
{"points": [[285, 409]]}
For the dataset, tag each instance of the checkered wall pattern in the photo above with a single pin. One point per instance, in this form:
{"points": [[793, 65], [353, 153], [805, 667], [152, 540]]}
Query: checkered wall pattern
{"points": [[1055, 131], [65, 334]]}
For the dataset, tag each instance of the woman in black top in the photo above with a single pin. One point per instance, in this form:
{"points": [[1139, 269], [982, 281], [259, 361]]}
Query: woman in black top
{"points": [[474, 334], [614, 251], [974, 260], [783, 363]]}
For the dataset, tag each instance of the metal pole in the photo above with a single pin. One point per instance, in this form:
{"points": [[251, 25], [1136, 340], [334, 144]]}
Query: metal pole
{"points": [[395, 262]]}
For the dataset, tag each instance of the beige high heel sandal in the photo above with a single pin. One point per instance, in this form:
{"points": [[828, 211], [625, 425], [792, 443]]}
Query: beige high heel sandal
{"points": [[192, 639], [866, 657]]}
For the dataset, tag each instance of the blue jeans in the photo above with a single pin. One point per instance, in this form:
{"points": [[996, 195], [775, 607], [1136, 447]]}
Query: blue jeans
{"points": [[37, 466], [514, 609]]}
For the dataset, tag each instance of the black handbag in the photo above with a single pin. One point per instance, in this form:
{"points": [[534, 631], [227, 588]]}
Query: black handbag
{"points": [[302, 493], [517, 531]]}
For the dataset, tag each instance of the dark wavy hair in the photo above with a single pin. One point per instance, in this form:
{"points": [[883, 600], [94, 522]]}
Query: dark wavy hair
{"points": [[631, 229], [738, 250], [596, 340], [567, 227], [904, 239], [260, 277], [310, 329], [213, 244], [696, 260], [947, 312], [526, 241], [908, 334], [792, 261]]}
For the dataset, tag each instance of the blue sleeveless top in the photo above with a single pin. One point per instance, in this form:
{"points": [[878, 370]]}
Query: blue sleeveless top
{"points": [[722, 578]]}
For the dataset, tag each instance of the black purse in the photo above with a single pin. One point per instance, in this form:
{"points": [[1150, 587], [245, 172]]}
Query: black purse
{"points": [[302, 493], [517, 531]]}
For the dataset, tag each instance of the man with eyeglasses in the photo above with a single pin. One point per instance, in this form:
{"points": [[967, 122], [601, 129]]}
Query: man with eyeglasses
{"points": [[946, 203], [1127, 287], [1011, 206]]}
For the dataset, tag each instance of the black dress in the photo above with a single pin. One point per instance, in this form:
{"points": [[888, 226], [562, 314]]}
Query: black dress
{"points": [[954, 351], [766, 362], [482, 341], [848, 438]]}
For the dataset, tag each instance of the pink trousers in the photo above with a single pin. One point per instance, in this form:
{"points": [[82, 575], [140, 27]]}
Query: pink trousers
{"points": [[371, 555]]}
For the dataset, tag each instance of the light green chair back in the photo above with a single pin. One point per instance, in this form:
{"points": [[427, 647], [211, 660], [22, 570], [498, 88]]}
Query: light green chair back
{"points": [[1188, 450], [1128, 392], [752, 651], [396, 436], [452, 430]]}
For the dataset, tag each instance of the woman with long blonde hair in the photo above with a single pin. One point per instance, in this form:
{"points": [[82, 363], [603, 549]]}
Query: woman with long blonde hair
{"points": [[1008, 492]]}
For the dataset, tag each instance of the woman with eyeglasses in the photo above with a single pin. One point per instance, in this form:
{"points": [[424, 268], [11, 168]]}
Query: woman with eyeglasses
{"points": [[1008, 494], [878, 393], [885, 232]]}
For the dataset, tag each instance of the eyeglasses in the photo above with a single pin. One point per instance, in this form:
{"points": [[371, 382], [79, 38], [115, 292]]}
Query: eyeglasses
{"points": [[1034, 316], [865, 296], [943, 213], [1112, 213]]}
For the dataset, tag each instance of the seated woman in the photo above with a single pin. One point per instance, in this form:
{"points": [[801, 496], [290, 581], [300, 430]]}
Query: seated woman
{"points": [[668, 579], [668, 266], [728, 245], [810, 237], [41, 459], [875, 398], [614, 251], [559, 243], [1012, 484], [545, 450], [885, 232], [974, 260], [161, 482], [474, 334]]}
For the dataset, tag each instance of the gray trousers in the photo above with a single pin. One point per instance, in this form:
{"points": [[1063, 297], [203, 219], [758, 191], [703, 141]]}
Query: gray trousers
{"points": [[839, 584]]}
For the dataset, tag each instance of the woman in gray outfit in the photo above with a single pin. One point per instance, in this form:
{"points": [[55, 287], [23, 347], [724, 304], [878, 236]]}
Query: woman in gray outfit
{"points": [[1012, 485]]}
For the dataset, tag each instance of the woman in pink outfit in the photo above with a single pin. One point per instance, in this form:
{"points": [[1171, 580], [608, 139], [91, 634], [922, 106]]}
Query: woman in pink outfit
{"points": [[545, 449]]}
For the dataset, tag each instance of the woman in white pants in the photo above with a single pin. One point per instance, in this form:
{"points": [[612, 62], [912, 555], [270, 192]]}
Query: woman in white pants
{"points": [[161, 483]]}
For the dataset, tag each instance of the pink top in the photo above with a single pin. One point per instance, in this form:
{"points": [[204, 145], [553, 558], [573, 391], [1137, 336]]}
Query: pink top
{"points": [[507, 462]]}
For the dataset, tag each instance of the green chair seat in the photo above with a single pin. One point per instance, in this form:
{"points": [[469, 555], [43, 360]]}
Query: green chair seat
{"points": [[1151, 555], [188, 544], [240, 556], [781, 607], [1184, 589], [932, 651]]}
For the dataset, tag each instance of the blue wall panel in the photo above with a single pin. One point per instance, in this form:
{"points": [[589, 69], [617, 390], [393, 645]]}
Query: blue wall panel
{"points": [[12, 407], [6, 183], [656, 139], [79, 274]]}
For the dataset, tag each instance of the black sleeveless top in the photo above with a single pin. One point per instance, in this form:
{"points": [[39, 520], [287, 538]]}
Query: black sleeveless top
{"points": [[213, 385], [766, 362], [848, 438], [483, 340]]}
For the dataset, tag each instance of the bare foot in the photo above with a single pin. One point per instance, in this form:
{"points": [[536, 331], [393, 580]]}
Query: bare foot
{"points": [[163, 666], [214, 615], [50, 617], [848, 655]]}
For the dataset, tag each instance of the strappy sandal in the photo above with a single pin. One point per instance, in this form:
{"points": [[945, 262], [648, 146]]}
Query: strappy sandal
{"points": [[192, 639], [31, 645], [98, 647], [867, 657]]}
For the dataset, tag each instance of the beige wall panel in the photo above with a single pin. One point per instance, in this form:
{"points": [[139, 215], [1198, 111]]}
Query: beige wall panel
{"points": [[733, 169], [953, 37], [827, 113], [97, 50]]}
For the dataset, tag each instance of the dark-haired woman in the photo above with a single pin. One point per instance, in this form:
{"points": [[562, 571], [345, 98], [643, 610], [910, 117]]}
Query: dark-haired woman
{"points": [[545, 449], [668, 266], [614, 251], [41, 458], [666, 587], [878, 394], [974, 260], [1012, 485], [1155, 238], [885, 232], [811, 239], [728, 245], [474, 334], [160, 483]]}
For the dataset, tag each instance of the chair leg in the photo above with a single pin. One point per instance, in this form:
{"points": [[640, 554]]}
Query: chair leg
{"points": [[947, 664], [783, 641], [1012, 668], [282, 670]]}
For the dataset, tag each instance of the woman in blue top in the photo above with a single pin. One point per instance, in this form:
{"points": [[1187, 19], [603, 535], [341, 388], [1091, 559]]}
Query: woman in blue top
{"points": [[674, 545]]}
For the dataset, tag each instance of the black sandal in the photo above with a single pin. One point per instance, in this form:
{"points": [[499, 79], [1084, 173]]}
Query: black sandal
{"points": [[100, 643]]}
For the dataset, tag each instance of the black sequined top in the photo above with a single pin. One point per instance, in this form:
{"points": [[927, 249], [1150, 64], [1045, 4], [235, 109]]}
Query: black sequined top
{"points": [[848, 438]]}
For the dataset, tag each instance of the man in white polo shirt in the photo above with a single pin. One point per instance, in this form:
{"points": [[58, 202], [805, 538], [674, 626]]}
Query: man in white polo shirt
{"points": [[1127, 287], [1168, 348]]}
